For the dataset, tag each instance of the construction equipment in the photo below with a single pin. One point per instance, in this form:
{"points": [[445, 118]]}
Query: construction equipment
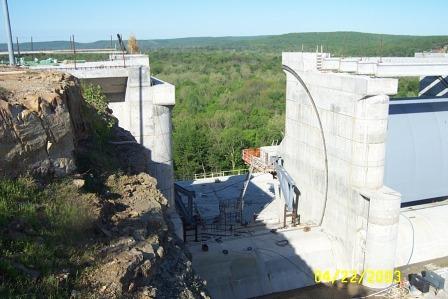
{"points": [[252, 157], [258, 160], [290, 193]]}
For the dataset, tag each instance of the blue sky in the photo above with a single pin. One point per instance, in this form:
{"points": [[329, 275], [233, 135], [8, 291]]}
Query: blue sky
{"points": [[92, 20]]}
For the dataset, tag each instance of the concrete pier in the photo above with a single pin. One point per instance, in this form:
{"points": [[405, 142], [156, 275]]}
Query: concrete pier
{"points": [[334, 146], [337, 115]]}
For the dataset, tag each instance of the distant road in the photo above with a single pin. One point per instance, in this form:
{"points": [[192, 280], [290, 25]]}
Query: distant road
{"points": [[94, 51]]}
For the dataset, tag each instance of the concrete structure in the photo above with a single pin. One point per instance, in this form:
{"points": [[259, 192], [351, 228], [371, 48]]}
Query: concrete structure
{"points": [[335, 143], [428, 65], [141, 103], [346, 145], [334, 148]]}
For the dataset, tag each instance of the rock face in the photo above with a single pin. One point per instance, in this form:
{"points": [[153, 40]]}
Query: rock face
{"points": [[40, 123]]}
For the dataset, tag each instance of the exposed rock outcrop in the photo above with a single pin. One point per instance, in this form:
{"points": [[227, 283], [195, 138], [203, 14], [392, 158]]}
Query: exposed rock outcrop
{"points": [[40, 123]]}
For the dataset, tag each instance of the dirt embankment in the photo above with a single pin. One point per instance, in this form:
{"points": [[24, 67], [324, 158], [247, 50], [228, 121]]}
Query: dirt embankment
{"points": [[141, 257]]}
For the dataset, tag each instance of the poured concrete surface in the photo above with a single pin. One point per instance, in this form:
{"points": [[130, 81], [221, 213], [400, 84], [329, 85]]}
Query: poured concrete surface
{"points": [[388, 66], [334, 149], [427, 238], [263, 263]]}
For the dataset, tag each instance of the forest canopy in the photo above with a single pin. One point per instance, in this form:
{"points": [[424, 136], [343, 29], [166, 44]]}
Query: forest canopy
{"points": [[225, 101]]}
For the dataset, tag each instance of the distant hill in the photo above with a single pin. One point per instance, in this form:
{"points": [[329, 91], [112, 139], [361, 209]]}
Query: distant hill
{"points": [[338, 43]]}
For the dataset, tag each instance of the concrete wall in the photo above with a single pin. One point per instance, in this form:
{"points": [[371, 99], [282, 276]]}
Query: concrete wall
{"points": [[335, 153], [388, 66]]}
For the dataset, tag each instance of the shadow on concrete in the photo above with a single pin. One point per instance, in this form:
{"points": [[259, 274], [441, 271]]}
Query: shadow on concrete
{"points": [[255, 259]]}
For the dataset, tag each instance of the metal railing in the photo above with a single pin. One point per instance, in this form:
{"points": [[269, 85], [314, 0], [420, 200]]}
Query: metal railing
{"points": [[187, 211]]}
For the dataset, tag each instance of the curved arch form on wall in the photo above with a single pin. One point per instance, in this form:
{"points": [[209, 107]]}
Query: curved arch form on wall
{"points": [[324, 144]]}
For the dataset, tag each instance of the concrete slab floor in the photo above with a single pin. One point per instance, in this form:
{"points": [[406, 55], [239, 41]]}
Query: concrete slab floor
{"points": [[265, 262]]}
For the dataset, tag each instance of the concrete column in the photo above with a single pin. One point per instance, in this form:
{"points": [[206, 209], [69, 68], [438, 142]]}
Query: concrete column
{"points": [[150, 124], [382, 235], [162, 156], [369, 142]]}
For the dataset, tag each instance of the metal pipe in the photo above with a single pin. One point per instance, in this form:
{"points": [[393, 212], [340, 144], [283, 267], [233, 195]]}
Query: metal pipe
{"points": [[8, 32]]}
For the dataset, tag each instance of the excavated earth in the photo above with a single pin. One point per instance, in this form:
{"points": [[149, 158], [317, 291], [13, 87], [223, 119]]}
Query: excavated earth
{"points": [[142, 258]]}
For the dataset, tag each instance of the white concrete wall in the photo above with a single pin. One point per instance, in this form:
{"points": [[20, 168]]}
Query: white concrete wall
{"points": [[129, 59], [162, 156], [388, 66], [353, 111], [153, 129]]}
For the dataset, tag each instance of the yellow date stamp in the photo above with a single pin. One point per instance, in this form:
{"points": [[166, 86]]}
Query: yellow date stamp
{"points": [[352, 276]]}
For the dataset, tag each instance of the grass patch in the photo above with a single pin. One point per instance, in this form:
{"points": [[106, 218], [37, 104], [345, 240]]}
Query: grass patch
{"points": [[44, 238]]}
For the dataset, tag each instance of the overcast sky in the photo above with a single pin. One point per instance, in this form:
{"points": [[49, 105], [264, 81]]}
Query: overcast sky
{"points": [[92, 20]]}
